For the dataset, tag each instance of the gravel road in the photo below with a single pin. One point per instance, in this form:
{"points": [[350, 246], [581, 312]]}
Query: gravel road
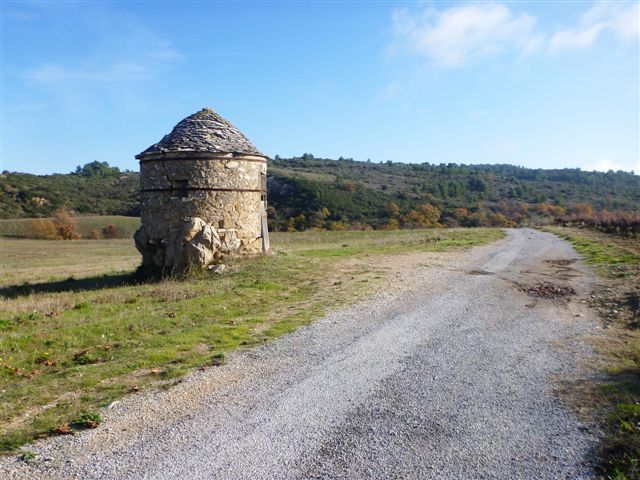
{"points": [[447, 374]]}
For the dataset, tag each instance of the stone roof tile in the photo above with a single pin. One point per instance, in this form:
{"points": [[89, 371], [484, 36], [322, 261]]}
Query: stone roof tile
{"points": [[204, 131]]}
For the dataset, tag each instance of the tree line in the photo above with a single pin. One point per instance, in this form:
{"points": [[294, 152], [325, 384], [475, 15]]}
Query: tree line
{"points": [[307, 192]]}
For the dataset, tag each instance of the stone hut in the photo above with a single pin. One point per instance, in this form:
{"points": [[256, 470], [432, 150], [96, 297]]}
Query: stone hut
{"points": [[203, 196]]}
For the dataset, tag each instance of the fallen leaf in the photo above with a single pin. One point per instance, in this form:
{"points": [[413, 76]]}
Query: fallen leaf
{"points": [[63, 429]]}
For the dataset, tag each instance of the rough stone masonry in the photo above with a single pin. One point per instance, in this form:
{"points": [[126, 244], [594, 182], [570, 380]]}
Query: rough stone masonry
{"points": [[203, 196]]}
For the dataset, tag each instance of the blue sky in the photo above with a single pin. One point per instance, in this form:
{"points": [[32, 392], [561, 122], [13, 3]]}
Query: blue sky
{"points": [[540, 84]]}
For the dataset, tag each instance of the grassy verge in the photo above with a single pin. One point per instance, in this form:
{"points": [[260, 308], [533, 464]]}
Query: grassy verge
{"points": [[617, 261], [71, 345]]}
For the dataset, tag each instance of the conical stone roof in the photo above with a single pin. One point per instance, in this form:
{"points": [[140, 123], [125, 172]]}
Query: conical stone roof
{"points": [[204, 131]]}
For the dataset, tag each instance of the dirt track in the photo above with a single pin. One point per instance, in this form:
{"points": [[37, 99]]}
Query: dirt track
{"points": [[446, 375]]}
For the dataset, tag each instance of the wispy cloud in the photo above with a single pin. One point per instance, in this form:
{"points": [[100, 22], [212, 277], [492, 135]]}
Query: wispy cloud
{"points": [[620, 18], [130, 67], [581, 38], [453, 36], [125, 57]]}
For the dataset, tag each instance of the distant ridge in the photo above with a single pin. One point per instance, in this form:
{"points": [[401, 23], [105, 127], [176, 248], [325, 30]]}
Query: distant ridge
{"points": [[311, 192]]}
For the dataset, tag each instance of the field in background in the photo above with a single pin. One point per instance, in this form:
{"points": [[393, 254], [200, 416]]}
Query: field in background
{"points": [[71, 345], [617, 261], [24, 260], [20, 227]]}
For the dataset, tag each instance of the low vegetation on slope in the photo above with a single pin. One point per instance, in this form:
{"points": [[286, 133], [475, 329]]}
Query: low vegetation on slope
{"points": [[94, 189], [77, 330], [314, 193], [617, 260]]}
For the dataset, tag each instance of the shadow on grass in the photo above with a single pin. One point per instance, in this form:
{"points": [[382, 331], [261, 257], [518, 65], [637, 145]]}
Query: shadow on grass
{"points": [[76, 285]]}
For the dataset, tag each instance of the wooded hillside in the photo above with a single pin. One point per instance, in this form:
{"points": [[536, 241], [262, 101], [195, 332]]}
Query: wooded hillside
{"points": [[307, 192]]}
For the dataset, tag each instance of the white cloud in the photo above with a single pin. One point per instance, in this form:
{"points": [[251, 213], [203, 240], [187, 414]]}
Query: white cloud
{"points": [[575, 38], [627, 23], [451, 37], [620, 18]]}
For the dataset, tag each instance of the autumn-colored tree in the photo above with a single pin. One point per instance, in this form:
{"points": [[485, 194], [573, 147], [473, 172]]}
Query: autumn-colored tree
{"points": [[412, 219], [581, 210], [543, 208], [392, 210], [424, 216], [94, 235], [42, 228], [460, 213], [430, 213], [65, 224]]}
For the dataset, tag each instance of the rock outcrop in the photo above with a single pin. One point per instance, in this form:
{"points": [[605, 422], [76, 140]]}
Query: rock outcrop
{"points": [[193, 245]]}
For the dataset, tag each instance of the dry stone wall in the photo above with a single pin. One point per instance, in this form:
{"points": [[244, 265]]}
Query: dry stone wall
{"points": [[222, 198]]}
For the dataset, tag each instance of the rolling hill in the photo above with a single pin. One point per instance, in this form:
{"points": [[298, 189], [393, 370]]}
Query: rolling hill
{"points": [[309, 192]]}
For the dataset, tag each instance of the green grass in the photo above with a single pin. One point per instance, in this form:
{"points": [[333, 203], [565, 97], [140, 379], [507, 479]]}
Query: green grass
{"points": [[69, 346], [606, 252], [20, 227], [617, 261]]}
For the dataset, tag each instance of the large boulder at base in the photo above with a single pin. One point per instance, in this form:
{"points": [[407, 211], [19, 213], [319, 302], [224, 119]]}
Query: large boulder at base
{"points": [[191, 244]]}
